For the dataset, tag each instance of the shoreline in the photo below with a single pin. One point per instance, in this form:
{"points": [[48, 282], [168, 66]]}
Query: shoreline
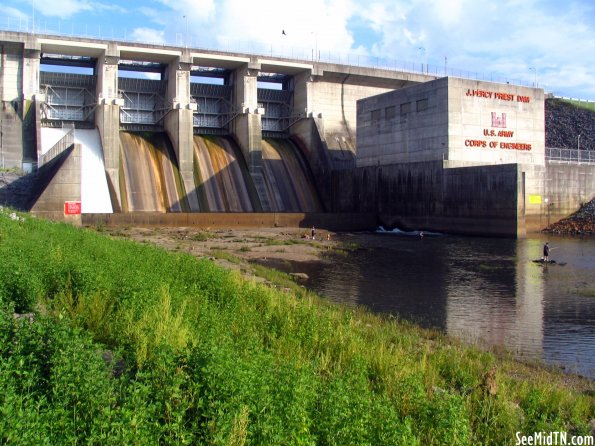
{"points": [[261, 254], [242, 250]]}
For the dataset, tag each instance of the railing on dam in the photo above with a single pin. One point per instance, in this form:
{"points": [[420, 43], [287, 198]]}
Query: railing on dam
{"points": [[64, 143], [570, 155], [277, 49]]}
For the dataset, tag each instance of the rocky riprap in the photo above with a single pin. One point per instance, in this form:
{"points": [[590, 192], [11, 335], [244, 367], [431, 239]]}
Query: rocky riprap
{"points": [[564, 122], [582, 222]]}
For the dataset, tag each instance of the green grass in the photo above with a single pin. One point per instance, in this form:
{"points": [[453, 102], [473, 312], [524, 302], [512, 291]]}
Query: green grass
{"points": [[587, 292], [202, 236], [134, 345], [580, 104], [224, 255]]}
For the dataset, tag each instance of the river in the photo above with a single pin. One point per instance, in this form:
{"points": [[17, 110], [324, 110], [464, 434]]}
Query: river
{"points": [[486, 291]]}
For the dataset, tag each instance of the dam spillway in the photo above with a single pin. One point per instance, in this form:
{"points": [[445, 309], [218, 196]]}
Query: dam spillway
{"points": [[221, 176], [289, 182], [150, 180]]}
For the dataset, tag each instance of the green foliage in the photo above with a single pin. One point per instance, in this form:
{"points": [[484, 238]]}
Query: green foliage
{"points": [[202, 236], [130, 344], [580, 104]]}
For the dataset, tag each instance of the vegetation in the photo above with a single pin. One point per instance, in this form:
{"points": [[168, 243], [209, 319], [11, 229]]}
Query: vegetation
{"points": [[130, 344], [580, 104], [202, 236]]}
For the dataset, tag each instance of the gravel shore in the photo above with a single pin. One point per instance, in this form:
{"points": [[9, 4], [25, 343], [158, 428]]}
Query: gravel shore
{"points": [[582, 222]]}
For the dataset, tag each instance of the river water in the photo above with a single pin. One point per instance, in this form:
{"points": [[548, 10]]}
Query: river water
{"points": [[483, 290]]}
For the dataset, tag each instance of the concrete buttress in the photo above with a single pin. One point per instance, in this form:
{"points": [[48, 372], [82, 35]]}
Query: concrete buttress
{"points": [[178, 123]]}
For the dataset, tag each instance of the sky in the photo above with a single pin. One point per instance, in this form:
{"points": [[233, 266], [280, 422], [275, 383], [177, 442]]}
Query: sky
{"points": [[548, 43]]}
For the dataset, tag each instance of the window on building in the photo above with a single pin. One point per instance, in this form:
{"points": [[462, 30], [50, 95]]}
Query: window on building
{"points": [[421, 105], [375, 115], [405, 108], [390, 112]]}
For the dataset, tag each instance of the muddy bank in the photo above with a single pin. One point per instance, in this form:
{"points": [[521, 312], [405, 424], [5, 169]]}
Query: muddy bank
{"points": [[238, 249]]}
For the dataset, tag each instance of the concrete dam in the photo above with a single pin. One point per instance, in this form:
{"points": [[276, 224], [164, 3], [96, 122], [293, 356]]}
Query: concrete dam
{"points": [[126, 132]]}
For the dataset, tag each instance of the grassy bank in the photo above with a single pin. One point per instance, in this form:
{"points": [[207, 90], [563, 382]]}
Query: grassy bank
{"points": [[130, 344]]}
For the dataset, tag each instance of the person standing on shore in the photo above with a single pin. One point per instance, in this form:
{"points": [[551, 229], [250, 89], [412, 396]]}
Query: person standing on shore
{"points": [[313, 232], [546, 252]]}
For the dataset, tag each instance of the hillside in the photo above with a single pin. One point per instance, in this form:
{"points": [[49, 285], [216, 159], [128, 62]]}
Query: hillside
{"points": [[564, 121]]}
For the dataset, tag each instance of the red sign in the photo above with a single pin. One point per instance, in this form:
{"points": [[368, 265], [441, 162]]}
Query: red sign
{"points": [[72, 207]]}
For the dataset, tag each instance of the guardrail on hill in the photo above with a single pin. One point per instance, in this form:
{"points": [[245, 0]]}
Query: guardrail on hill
{"points": [[64, 143], [570, 155]]}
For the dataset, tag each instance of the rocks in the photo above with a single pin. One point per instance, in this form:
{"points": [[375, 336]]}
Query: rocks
{"points": [[582, 222], [564, 122]]}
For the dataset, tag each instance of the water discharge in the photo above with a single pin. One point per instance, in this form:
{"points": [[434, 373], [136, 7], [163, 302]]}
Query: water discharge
{"points": [[288, 180], [223, 183], [150, 180], [149, 176]]}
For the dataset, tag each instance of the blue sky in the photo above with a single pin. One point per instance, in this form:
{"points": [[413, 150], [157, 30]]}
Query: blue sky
{"points": [[548, 42]]}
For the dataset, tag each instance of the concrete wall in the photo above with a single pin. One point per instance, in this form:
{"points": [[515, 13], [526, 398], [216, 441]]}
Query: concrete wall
{"points": [[473, 200], [334, 98], [11, 72], [107, 120], [11, 135], [407, 125], [178, 124], [492, 123], [461, 121], [564, 188], [333, 222], [59, 181]]}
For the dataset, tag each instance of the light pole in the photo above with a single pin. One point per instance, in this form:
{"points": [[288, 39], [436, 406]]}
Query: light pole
{"points": [[186, 38], [578, 142], [422, 53], [315, 55], [33, 18], [535, 75]]}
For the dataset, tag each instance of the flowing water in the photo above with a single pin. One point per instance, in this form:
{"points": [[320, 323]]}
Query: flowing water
{"points": [[288, 180], [221, 176], [149, 179], [483, 290]]}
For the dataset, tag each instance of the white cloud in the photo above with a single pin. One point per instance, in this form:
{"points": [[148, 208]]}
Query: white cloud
{"points": [[148, 35], [195, 10], [499, 39], [65, 9], [13, 13]]}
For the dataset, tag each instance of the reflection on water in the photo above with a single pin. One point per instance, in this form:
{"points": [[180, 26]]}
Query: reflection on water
{"points": [[487, 291]]}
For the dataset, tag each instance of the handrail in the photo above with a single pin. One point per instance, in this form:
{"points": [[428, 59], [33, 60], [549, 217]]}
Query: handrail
{"points": [[570, 155], [63, 144]]}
